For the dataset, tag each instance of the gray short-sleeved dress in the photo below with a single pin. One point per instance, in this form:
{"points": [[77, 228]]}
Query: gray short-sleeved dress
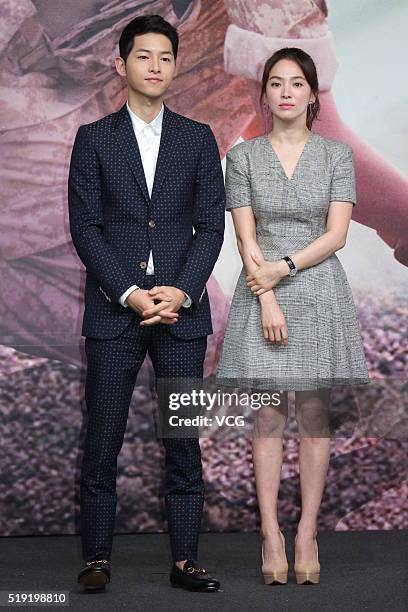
{"points": [[325, 346]]}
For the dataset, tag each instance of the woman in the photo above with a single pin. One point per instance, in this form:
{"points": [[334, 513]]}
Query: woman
{"points": [[292, 323], [258, 29]]}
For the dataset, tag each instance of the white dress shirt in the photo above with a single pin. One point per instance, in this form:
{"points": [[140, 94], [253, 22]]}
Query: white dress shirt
{"points": [[148, 139]]}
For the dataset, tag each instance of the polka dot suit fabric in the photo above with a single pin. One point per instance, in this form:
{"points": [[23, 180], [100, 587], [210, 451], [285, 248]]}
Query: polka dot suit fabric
{"points": [[112, 368], [325, 345], [114, 223]]}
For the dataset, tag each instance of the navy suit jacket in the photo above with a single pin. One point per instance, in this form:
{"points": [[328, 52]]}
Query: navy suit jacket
{"points": [[114, 223]]}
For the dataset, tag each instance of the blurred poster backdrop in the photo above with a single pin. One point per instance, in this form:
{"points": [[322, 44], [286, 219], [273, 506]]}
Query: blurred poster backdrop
{"points": [[57, 72]]}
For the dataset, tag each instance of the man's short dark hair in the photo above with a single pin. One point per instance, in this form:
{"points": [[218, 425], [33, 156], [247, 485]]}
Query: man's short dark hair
{"points": [[144, 25]]}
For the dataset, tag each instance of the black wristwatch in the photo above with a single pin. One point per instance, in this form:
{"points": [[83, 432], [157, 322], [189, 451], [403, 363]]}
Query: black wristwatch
{"points": [[292, 267]]}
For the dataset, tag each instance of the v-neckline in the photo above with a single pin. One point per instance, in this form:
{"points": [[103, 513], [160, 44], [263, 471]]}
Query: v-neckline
{"points": [[289, 180]]}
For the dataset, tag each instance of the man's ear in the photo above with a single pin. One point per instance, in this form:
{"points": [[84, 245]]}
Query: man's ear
{"points": [[120, 65]]}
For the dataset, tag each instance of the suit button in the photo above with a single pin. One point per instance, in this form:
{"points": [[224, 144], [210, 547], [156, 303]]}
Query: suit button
{"points": [[143, 265], [152, 223]]}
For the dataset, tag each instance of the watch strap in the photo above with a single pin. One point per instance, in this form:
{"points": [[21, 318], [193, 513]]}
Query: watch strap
{"points": [[292, 267]]}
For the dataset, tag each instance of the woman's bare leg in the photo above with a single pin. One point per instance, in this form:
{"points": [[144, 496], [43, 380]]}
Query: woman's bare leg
{"points": [[267, 459], [314, 453]]}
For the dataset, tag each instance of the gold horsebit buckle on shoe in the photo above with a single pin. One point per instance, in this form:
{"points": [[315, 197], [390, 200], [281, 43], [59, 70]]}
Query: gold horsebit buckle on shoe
{"points": [[93, 562], [191, 570]]}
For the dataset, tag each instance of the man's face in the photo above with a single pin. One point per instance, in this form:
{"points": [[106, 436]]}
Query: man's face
{"points": [[150, 66]]}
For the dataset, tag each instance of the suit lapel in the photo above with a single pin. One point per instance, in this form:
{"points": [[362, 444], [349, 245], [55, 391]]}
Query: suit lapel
{"points": [[128, 143], [168, 148], [167, 152]]}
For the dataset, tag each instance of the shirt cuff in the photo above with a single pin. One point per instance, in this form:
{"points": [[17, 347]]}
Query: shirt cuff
{"points": [[187, 302], [124, 295]]}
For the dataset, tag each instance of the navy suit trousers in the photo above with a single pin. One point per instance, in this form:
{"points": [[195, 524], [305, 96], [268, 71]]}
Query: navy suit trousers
{"points": [[112, 368]]}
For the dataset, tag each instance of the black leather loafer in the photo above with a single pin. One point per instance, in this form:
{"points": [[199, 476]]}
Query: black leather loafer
{"points": [[193, 578], [95, 575]]}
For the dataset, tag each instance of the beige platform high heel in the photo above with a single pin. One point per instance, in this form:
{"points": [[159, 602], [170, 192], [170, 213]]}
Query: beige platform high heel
{"points": [[273, 574], [308, 574]]}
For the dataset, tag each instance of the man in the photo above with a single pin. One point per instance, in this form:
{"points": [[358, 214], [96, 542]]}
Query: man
{"points": [[146, 203]]}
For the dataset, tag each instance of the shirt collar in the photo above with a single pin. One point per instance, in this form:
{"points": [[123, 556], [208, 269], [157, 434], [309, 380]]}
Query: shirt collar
{"points": [[139, 124]]}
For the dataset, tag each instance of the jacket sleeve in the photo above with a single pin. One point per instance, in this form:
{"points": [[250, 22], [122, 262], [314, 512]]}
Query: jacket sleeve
{"points": [[208, 221], [86, 220]]}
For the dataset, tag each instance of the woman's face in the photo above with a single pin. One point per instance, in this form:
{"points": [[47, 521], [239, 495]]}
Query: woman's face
{"points": [[287, 91]]}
